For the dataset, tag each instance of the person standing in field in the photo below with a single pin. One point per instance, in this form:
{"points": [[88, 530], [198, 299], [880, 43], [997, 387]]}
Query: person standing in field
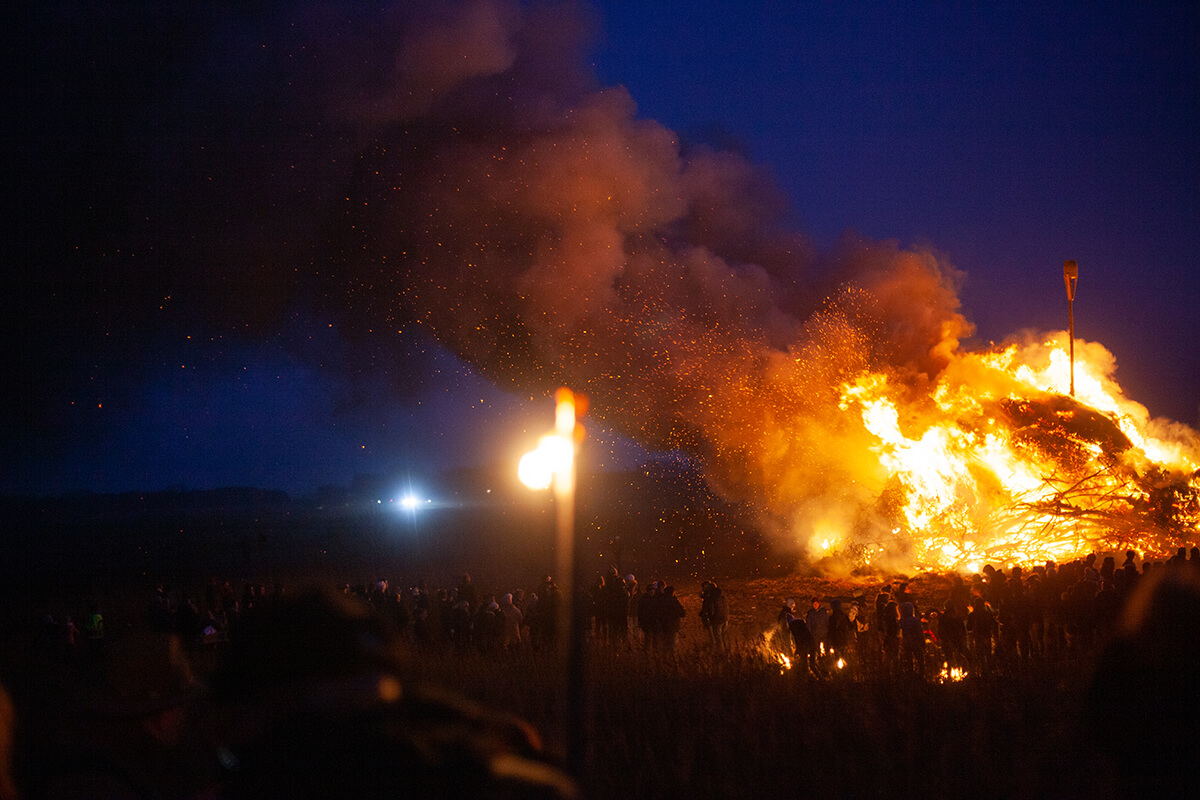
{"points": [[510, 624], [912, 641], [714, 613], [672, 618], [841, 632], [650, 616], [981, 624], [889, 636], [631, 608], [817, 619]]}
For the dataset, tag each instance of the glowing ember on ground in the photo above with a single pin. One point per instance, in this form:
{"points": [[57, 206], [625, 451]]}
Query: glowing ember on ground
{"points": [[771, 652], [951, 674]]}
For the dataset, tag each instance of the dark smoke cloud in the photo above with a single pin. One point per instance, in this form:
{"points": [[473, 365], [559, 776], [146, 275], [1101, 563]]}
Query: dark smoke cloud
{"points": [[548, 235], [451, 168]]}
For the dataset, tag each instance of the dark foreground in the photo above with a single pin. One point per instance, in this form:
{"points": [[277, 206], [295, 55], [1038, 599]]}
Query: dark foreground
{"points": [[690, 724]]}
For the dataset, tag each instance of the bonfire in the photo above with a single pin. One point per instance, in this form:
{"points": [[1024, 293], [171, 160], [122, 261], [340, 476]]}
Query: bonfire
{"points": [[999, 466]]}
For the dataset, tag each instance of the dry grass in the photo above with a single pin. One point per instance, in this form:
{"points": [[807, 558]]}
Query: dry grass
{"points": [[703, 725]]}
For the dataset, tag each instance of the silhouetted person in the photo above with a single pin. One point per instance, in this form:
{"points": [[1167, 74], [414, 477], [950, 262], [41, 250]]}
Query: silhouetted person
{"points": [[841, 630], [319, 711], [981, 625], [460, 626], [650, 617], [466, 591], [783, 622], [614, 607], [510, 623], [1143, 704], [817, 619], [672, 619], [714, 613], [631, 607], [1129, 565], [549, 605], [804, 647], [485, 625], [912, 641], [952, 636], [889, 635]]}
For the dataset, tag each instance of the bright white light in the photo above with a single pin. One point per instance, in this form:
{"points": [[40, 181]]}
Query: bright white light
{"points": [[409, 502], [534, 470], [554, 456]]}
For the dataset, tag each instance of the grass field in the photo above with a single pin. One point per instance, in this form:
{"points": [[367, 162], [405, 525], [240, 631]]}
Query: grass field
{"points": [[696, 725]]}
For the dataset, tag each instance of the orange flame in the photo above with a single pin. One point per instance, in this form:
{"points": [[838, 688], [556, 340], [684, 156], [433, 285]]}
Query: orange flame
{"points": [[999, 466]]}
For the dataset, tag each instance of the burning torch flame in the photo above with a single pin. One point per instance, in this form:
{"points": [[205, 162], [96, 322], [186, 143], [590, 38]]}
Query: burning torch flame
{"points": [[553, 460]]}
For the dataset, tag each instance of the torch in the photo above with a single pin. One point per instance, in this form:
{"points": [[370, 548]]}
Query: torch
{"points": [[1071, 278], [553, 464]]}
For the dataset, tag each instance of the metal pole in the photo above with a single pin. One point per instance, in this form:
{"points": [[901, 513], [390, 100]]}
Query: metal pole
{"points": [[1071, 279]]}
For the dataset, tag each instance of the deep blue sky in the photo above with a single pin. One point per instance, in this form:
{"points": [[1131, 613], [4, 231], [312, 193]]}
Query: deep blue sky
{"points": [[1008, 136]]}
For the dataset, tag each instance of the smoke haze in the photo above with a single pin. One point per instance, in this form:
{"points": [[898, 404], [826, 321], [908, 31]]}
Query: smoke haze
{"points": [[549, 236]]}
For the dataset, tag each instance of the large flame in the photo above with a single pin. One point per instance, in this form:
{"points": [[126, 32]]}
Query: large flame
{"points": [[998, 466]]}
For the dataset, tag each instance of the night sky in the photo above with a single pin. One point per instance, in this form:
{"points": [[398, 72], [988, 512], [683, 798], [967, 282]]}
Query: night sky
{"points": [[238, 234]]}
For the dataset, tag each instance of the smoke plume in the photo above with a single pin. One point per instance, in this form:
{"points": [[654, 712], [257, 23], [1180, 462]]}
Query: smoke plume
{"points": [[455, 168], [548, 235]]}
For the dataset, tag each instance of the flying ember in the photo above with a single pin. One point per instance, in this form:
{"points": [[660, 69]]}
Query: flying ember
{"points": [[548, 235]]}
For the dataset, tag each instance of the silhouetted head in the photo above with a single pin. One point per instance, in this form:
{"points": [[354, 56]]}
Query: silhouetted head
{"points": [[322, 712], [1143, 706]]}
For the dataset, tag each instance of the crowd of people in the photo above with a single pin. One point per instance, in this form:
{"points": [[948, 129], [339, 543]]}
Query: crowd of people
{"points": [[311, 681], [325, 660], [279, 692], [988, 622], [461, 617], [991, 622]]}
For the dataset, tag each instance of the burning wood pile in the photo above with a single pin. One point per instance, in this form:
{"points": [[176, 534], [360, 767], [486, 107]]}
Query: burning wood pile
{"points": [[1002, 468]]}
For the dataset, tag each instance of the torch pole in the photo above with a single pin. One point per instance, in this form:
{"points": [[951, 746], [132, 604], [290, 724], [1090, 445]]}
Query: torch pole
{"points": [[1071, 279], [573, 634]]}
